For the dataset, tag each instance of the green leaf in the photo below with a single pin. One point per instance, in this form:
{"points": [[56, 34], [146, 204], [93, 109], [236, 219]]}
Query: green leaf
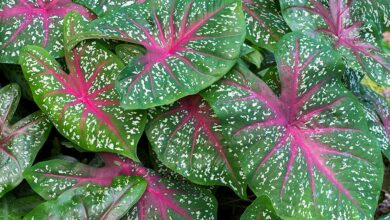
{"points": [[102, 7], [384, 217], [129, 52], [353, 27], [186, 138], [83, 105], [189, 45], [376, 107], [14, 208], [19, 142], [34, 22], [14, 74], [163, 198], [260, 209], [251, 55], [265, 24], [93, 202], [308, 149]]}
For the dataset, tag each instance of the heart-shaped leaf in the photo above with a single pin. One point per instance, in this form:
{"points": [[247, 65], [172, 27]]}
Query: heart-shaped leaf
{"points": [[34, 22], [354, 27], [83, 105], [93, 201], [260, 209], [186, 137], [101, 7], [189, 45], [309, 150], [163, 199], [20, 142], [265, 24]]}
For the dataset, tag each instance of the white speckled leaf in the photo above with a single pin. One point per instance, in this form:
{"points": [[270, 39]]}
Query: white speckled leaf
{"points": [[260, 209], [163, 199], [92, 201], [355, 28], [189, 45], [129, 52], [20, 142], [376, 107], [265, 24], [84, 105], [102, 7], [34, 22], [186, 137], [309, 150]]}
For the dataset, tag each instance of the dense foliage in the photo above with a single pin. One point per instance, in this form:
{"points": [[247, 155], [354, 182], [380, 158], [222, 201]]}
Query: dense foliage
{"points": [[202, 109]]}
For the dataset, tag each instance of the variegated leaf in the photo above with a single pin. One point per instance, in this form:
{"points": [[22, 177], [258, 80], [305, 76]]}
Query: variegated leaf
{"points": [[20, 142], [83, 105], [260, 209], [102, 7], [376, 107], [354, 27], [14, 74], [163, 199], [129, 52], [265, 24], [93, 201], [309, 149], [189, 45], [34, 22], [186, 137]]}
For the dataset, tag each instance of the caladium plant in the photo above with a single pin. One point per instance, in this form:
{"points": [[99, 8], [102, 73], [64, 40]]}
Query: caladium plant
{"points": [[186, 137], [101, 7], [303, 148], [19, 142], [93, 201], [376, 107], [34, 22], [161, 104], [83, 105], [163, 199], [265, 24], [189, 45], [354, 28], [260, 209]]}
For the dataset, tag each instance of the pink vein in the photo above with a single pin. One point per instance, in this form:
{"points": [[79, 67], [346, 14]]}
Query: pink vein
{"points": [[261, 22]]}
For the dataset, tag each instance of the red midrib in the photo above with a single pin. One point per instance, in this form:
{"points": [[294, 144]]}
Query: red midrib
{"points": [[45, 11], [205, 121], [312, 152]]}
